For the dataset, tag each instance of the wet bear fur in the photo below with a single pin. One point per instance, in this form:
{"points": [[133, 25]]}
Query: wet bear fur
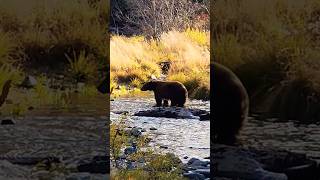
{"points": [[167, 90], [230, 105]]}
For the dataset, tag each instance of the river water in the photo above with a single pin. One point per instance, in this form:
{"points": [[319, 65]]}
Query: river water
{"points": [[191, 137], [183, 137], [289, 135]]}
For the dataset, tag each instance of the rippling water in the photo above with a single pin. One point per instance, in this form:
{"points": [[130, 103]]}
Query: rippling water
{"points": [[288, 135], [183, 137]]}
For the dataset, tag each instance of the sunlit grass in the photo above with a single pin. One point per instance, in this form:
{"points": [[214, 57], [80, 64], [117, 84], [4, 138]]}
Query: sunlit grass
{"points": [[267, 43], [134, 60]]}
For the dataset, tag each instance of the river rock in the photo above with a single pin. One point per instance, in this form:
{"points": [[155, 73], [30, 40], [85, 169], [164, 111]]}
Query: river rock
{"points": [[136, 132], [205, 172], [174, 112], [194, 176], [194, 162], [130, 150], [252, 163], [153, 128], [7, 122], [164, 147]]}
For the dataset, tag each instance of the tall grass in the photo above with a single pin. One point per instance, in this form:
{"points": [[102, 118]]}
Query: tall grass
{"points": [[47, 30], [134, 60], [273, 46], [267, 41]]}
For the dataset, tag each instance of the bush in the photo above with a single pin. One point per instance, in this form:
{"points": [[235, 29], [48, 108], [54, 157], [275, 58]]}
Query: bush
{"points": [[152, 18]]}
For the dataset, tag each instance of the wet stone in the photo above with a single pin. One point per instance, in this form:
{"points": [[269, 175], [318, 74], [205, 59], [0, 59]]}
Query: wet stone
{"points": [[130, 150], [136, 132], [194, 162], [194, 176], [205, 172], [120, 112], [7, 122], [164, 147]]}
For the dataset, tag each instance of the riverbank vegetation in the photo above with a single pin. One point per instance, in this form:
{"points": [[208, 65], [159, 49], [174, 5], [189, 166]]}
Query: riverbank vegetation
{"points": [[134, 60], [274, 48], [142, 162], [61, 44]]}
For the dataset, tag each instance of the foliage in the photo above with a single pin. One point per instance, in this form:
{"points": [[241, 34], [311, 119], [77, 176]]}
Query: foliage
{"points": [[268, 43], [135, 60], [158, 166]]}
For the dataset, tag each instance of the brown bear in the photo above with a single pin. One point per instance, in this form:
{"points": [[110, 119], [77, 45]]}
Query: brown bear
{"points": [[230, 105], [174, 91]]}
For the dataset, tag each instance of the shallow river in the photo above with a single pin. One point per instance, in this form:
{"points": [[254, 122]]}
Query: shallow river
{"points": [[285, 135], [183, 137]]}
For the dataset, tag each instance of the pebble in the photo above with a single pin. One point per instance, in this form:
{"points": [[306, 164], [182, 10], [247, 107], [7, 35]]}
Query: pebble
{"points": [[205, 172], [136, 132], [194, 162], [130, 150], [153, 128], [164, 147]]}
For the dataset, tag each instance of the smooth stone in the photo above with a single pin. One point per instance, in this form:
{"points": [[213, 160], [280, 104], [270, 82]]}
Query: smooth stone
{"points": [[164, 147], [153, 128], [194, 162], [7, 122], [205, 172], [194, 176], [130, 150], [136, 132]]}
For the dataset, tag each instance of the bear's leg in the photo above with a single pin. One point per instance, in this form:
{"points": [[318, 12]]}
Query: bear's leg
{"points": [[173, 102], [165, 103], [159, 101]]}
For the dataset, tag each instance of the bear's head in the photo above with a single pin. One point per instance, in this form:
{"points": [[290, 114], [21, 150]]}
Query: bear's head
{"points": [[148, 86]]}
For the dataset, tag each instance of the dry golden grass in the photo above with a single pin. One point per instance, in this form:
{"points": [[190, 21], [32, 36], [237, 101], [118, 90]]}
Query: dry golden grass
{"points": [[133, 60], [269, 42]]}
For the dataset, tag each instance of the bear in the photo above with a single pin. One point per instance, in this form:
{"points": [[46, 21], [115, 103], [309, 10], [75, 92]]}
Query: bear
{"points": [[174, 91], [230, 105]]}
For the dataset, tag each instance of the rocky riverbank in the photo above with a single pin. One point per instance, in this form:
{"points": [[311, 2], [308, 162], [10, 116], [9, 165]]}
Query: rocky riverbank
{"points": [[264, 164], [193, 169], [44, 146]]}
